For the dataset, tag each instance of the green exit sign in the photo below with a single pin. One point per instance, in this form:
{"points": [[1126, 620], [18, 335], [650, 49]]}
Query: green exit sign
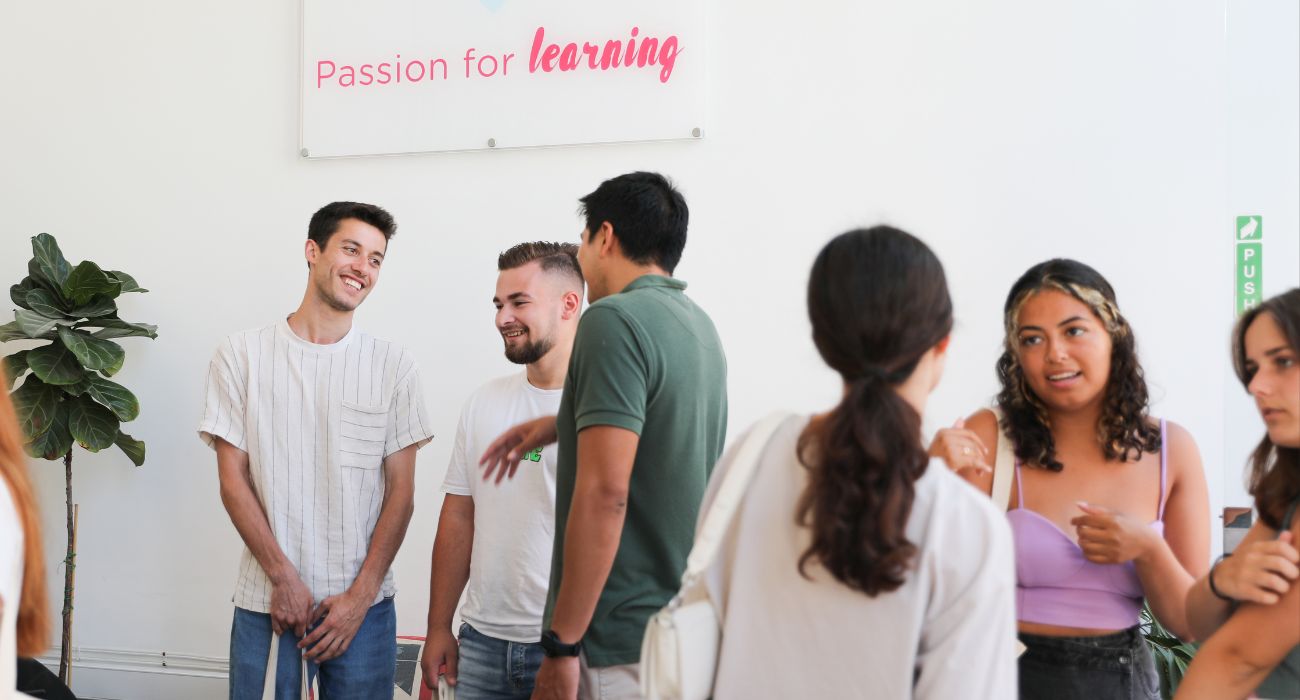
{"points": [[1249, 262]]}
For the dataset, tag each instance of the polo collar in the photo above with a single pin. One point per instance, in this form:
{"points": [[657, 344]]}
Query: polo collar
{"points": [[647, 281]]}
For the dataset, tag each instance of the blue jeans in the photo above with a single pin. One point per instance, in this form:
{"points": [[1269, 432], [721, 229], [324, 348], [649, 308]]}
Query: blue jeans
{"points": [[365, 670], [495, 669]]}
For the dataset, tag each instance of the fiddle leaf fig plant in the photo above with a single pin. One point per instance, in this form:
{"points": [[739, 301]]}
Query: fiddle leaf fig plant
{"points": [[67, 395]]}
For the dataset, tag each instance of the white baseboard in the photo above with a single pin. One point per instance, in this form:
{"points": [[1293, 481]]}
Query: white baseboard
{"points": [[129, 674]]}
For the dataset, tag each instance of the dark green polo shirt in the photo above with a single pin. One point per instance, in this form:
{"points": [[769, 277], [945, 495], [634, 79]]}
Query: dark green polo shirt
{"points": [[648, 360]]}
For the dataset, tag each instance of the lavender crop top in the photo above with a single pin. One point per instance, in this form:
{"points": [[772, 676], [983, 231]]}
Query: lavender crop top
{"points": [[1056, 585]]}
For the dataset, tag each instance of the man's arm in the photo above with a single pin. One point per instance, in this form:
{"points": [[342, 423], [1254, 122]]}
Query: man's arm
{"points": [[345, 612], [595, 525], [452, 549], [290, 599]]}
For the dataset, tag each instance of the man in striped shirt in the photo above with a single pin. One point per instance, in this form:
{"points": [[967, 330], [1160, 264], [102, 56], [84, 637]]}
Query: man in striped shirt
{"points": [[315, 425]]}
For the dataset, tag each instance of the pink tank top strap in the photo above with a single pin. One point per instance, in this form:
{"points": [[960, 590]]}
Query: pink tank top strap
{"points": [[1164, 452]]}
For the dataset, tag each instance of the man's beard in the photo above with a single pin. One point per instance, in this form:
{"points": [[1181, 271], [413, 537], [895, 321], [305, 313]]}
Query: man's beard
{"points": [[530, 352]]}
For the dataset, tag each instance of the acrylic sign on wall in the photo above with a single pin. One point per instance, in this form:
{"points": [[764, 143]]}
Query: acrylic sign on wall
{"points": [[408, 76]]}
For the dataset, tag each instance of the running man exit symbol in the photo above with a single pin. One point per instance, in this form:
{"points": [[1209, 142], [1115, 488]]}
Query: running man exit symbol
{"points": [[1250, 228]]}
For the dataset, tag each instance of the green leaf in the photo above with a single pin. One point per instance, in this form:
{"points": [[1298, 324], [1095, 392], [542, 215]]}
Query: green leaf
{"points": [[48, 263], [35, 325], [93, 426], [45, 303], [116, 397], [117, 328], [115, 367], [133, 448], [87, 280], [36, 402], [57, 440], [55, 364], [11, 331], [18, 292], [15, 367], [79, 388], [95, 308], [92, 352], [128, 283]]}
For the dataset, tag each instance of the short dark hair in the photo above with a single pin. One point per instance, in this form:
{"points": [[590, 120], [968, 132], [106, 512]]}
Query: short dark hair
{"points": [[325, 222], [561, 258], [648, 214]]}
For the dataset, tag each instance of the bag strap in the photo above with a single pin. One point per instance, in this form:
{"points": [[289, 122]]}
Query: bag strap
{"points": [[307, 691], [727, 500], [1003, 466]]}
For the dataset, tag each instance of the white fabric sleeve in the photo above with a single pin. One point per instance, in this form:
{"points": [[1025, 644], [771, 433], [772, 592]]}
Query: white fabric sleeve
{"points": [[224, 399], [458, 467], [968, 643], [408, 420]]}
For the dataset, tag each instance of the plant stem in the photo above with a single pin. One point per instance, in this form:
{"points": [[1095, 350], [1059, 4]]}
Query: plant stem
{"points": [[69, 565]]}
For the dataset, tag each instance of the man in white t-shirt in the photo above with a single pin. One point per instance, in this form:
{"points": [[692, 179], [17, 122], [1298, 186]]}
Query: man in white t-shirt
{"points": [[315, 425], [499, 537]]}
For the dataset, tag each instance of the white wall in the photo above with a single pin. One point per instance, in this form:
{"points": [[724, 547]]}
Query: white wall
{"points": [[160, 138]]}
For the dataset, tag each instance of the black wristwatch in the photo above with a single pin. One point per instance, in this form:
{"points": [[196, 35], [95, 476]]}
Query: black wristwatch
{"points": [[553, 647]]}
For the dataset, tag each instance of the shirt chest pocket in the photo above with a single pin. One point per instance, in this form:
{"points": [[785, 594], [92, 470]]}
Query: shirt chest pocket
{"points": [[363, 430]]}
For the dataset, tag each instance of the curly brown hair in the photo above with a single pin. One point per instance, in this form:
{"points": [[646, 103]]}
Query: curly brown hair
{"points": [[878, 301], [1124, 430], [1274, 469]]}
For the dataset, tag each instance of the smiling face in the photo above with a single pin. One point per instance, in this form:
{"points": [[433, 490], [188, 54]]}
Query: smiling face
{"points": [[1063, 349], [1274, 371], [529, 305], [344, 272]]}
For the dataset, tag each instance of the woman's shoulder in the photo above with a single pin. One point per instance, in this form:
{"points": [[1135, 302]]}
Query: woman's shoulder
{"points": [[957, 507]]}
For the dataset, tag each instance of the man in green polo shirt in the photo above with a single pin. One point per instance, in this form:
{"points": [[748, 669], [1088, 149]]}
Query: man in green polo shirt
{"points": [[641, 423]]}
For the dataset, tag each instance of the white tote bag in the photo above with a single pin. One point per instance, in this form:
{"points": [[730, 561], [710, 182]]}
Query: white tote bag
{"points": [[308, 690], [679, 653]]}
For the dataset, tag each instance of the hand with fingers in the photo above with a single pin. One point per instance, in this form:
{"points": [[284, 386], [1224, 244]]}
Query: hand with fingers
{"points": [[340, 616], [1259, 572], [1110, 537], [440, 657], [503, 455], [290, 604], [961, 449], [557, 679]]}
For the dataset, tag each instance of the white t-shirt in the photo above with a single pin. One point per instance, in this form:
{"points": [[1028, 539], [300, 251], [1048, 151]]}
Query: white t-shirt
{"points": [[514, 521], [948, 632], [317, 422]]}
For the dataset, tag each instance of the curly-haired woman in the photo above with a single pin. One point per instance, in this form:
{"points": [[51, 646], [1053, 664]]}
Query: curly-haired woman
{"points": [[857, 566], [1251, 597], [1109, 505]]}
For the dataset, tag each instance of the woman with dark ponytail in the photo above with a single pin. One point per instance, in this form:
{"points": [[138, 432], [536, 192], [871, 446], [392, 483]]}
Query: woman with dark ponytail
{"points": [[1108, 505], [854, 567], [1251, 600]]}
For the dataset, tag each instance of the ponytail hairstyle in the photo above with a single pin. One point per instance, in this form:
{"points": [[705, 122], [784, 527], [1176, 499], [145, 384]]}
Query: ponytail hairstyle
{"points": [[1274, 469], [33, 610], [878, 301], [1124, 430]]}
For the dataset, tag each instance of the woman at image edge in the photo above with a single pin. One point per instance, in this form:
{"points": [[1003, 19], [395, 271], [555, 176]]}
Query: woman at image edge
{"points": [[24, 621], [1262, 634], [856, 567], [1107, 505]]}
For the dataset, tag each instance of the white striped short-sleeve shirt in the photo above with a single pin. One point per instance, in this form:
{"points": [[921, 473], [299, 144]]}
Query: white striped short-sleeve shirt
{"points": [[317, 422]]}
